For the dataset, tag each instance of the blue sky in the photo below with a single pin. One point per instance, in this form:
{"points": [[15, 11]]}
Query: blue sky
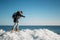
{"points": [[37, 12]]}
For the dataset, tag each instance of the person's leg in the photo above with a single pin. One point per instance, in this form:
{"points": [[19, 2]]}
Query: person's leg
{"points": [[17, 27], [14, 27]]}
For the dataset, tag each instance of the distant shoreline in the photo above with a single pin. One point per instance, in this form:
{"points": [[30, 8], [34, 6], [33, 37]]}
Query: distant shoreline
{"points": [[31, 25]]}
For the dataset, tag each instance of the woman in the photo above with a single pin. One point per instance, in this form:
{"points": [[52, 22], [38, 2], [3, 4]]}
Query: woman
{"points": [[15, 17]]}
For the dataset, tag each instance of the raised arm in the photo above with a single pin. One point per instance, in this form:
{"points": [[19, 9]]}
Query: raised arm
{"points": [[22, 16]]}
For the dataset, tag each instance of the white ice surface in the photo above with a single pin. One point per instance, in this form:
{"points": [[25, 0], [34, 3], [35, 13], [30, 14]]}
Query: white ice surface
{"points": [[27, 34]]}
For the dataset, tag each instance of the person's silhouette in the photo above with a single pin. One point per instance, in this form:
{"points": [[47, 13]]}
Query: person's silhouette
{"points": [[15, 17]]}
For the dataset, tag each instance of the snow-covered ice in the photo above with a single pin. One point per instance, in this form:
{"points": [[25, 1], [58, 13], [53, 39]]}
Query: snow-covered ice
{"points": [[27, 34]]}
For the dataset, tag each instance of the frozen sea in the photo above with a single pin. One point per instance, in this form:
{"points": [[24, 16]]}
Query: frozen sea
{"points": [[30, 33]]}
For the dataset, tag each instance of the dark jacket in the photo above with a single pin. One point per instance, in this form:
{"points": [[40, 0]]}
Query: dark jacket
{"points": [[16, 16]]}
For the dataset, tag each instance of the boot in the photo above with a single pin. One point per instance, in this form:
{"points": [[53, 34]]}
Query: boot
{"points": [[12, 30]]}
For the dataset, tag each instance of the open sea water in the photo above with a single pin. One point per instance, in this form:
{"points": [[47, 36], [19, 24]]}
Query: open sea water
{"points": [[55, 29]]}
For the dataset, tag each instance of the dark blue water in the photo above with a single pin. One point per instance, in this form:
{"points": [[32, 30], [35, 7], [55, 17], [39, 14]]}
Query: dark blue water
{"points": [[55, 29]]}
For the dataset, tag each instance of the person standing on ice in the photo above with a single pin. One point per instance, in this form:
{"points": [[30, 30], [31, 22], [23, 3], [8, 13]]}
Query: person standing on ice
{"points": [[15, 17]]}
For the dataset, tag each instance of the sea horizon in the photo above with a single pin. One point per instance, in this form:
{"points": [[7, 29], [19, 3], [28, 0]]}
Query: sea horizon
{"points": [[31, 25]]}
